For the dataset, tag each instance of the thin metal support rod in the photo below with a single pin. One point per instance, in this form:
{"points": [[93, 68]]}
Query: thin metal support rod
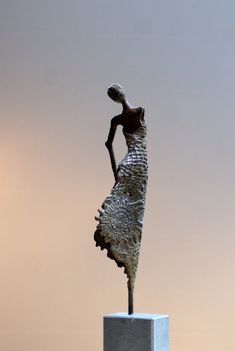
{"points": [[130, 300]]}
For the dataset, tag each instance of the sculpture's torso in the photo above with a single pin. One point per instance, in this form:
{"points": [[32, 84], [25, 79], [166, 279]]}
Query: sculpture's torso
{"points": [[121, 218]]}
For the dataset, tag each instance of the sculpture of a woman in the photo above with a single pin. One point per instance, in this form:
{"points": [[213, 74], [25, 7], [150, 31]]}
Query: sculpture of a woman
{"points": [[121, 216]]}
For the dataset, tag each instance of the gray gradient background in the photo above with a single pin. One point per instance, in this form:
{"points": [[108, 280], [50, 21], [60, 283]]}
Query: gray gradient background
{"points": [[175, 58]]}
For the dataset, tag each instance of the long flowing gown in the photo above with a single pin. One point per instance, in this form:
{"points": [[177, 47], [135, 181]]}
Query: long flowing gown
{"points": [[121, 217]]}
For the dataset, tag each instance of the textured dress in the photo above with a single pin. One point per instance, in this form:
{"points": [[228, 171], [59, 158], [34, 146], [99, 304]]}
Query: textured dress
{"points": [[121, 217]]}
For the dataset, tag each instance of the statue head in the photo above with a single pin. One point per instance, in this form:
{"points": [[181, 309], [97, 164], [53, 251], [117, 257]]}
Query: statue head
{"points": [[116, 93]]}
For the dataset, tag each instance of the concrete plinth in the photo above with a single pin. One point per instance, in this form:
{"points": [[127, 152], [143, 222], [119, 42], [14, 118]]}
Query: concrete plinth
{"points": [[136, 332]]}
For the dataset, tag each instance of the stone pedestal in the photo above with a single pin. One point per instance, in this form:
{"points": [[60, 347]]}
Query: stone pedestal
{"points": [[136, 332]]}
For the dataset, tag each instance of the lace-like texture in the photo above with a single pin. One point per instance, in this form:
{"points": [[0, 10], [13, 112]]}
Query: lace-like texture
{"points": [[121, 217]]}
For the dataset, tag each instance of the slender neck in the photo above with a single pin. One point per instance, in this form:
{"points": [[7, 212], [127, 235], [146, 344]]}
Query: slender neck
{"points": [[126, 105]]}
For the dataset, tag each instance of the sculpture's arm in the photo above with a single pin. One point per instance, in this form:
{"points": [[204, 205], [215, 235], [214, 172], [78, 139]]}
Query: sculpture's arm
{"points": [[109, 143]]}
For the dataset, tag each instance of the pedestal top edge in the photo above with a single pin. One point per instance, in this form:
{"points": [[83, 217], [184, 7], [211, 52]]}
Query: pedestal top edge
{"points": [[148, 316]]}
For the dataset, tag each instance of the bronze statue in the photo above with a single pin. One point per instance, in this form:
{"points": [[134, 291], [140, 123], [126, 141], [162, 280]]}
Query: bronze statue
{"points": [[121, 217]]}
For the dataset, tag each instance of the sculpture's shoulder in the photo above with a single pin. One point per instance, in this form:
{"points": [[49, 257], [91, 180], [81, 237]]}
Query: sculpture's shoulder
{"points": [[140, 111], [117, 119]]}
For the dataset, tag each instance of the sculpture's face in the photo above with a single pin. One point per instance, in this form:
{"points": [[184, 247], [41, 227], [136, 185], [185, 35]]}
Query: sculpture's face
{"points": [[116, 92]]}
